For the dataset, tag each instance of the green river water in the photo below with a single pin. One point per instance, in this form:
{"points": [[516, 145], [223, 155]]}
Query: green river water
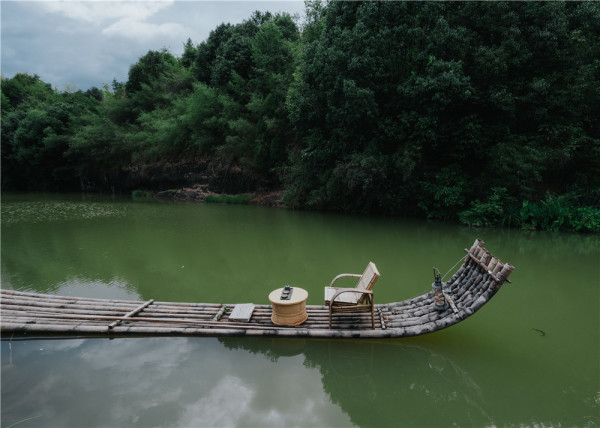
{"points": [[495, 369]]}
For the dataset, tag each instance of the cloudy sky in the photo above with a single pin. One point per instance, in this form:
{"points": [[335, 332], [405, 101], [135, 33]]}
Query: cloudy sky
{"points": [[80, 44]]}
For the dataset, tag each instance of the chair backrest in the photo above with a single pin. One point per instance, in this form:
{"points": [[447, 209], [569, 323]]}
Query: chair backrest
{"points": [[368, 279]]}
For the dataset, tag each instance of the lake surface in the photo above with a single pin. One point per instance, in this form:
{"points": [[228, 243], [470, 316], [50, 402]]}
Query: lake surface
{"points": [[494, 369]]}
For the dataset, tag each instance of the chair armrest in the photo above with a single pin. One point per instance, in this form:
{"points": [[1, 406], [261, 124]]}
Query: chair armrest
{"points": [[347, 290], [344, 275]]}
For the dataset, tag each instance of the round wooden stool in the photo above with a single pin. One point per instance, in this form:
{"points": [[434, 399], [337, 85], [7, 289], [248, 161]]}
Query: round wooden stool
{"points": [[289, 312]]}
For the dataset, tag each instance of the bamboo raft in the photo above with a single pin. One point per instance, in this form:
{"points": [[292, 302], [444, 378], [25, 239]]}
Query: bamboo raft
{"points": [[471, 287]]}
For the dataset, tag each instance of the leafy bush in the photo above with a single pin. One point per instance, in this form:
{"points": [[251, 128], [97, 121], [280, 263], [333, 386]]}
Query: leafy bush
{"points": [[586, 219], [496, 210], [558, 213], [553, 213]]}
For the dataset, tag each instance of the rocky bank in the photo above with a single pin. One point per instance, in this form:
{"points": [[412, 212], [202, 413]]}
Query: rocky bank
{"points": [[190, 180]]}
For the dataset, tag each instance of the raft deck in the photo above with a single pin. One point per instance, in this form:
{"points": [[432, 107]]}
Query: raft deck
{"points": [[471, 287]]}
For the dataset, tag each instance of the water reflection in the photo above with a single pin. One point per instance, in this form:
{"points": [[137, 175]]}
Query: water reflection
{"points": [[187, 382], [364, 377], [233, 382], [158, 382], [421, 383]]}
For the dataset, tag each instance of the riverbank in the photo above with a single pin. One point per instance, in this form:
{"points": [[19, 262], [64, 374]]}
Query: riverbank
{"points": [[202, 193], [551, 214]]}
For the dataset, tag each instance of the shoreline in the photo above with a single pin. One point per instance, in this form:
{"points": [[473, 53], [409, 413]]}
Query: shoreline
{"points": [[200, 192]]}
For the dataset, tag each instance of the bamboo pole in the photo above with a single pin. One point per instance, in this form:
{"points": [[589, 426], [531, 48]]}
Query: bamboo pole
{"points": [[106, 307], [219, 314], [5, 293], [350, 318], [85, 300], [43, 324], [149, 313], [132, 313], [60, 310], [101, 320]]}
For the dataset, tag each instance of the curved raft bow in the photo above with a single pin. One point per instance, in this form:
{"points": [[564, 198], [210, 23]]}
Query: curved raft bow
{"points": [[472, 286]]}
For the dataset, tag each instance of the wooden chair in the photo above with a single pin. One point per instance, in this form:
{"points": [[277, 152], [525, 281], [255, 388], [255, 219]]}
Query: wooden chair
{"points": [[357, 299]]}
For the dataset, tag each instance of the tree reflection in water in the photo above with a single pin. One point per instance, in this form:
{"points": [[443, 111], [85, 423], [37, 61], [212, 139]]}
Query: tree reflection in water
{"points": [[377, 382]]}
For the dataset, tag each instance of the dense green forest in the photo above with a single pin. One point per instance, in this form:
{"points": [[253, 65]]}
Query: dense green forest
{"points": [[485, 113]]}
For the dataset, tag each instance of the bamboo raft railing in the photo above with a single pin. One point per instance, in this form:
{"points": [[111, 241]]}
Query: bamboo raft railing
{"points": [[473, 285]]}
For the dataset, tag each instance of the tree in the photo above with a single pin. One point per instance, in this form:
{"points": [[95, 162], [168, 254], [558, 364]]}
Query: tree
{"points": [[441, 95], [190, 52], [23, 88]]}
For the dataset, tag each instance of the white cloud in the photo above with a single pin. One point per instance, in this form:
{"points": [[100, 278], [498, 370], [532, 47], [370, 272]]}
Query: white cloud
{"points": [[101, 11], [133, 29], [120, 19], [88, 43]]}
